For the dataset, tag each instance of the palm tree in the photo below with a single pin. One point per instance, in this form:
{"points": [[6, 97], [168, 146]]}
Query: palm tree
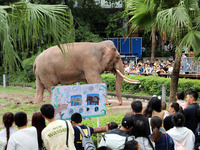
{"points": [[143, 14], [21, 24], [179, 19]]}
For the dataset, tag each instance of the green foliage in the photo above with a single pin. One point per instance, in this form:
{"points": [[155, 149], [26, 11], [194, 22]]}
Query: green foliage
{"points": [[114, 28], [158, 53], [150, 85], [83, 34], [27, 65]]}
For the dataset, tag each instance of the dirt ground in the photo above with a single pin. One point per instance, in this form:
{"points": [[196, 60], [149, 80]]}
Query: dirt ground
{"points": [[116, 108]]}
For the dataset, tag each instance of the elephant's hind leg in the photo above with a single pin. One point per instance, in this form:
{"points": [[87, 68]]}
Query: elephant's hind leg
{"points": [[39, 92]]}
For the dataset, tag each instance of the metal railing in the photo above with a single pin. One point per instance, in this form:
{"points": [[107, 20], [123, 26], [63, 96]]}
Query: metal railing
{"points": [[190, 65]]}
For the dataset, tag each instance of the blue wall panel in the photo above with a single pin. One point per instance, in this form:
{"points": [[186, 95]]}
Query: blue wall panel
{"points": [[137, 46], [115, 41]]}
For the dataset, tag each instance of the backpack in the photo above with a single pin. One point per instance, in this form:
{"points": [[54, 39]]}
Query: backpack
{"points": [[87, 142], [181, 146]]}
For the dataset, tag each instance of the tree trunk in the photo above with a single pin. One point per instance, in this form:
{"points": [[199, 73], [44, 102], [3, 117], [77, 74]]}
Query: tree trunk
{"points": [[153, 38], [175, 77]]}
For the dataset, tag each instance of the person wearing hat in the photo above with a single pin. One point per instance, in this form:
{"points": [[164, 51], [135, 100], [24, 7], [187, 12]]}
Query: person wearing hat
{"points": [[116, 138]]}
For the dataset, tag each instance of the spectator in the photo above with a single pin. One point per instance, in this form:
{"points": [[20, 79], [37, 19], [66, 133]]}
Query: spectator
{"points": [[127, 69], [149, 69], [111, 126], [154, 108], [190, 112], [173, 108], [164, 107], [141, 69], [39, 123], [164, 69], [170, 68], [132, 145], [76, 120], [129, 113], [25, 138], [8, 120], [156, 63], [180, 134], [158, 137], [54, 135], [141, 137], [116, 138], [137, 111], [180, 96]]}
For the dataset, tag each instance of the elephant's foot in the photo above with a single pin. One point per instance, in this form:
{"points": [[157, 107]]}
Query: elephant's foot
{"points": [[120, 102], [39, 102]]}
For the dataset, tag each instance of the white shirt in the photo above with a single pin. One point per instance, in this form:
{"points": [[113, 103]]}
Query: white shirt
{"points": [[179, 134], [24, 139], [54, 135], [3, 137], [144, 143], [3, 132]]}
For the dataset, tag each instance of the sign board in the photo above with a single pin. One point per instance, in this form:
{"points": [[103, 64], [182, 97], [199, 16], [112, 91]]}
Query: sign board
{"points": [[89, 100]]}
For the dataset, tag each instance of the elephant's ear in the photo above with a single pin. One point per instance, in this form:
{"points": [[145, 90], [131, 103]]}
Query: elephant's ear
{"points": [[108, 54]]}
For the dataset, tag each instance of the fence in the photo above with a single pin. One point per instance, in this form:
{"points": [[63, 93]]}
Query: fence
{"points": [[190, 65]]}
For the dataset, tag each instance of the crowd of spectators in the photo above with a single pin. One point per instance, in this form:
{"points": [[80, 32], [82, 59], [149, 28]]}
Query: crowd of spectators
{"points": [[149, 68], [150, 128]]}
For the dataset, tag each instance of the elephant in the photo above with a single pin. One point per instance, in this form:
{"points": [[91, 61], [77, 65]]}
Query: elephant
{"points": [[92, 100], [79, 61]]}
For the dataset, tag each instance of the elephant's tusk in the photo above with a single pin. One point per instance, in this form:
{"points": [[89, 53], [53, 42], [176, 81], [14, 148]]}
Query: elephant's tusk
{"points": [[127, 79], [131, 81]]}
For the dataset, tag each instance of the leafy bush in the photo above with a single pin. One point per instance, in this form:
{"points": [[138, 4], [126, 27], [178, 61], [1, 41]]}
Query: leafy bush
{"points": [[150, 85], [27, 65]]}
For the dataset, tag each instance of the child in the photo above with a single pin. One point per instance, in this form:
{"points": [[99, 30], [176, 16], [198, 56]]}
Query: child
{"points": [[76, 120], [164, 109]]}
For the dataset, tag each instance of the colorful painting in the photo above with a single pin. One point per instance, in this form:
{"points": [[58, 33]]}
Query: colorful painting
{"points": [[89, 100]]}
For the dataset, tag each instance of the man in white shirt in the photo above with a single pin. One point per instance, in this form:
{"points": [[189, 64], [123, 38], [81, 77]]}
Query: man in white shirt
{"points": [[25, 138], [55, 134]]}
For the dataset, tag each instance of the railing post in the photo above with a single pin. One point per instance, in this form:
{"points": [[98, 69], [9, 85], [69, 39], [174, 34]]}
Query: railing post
{"points": [[4, 80], [164, 93]]}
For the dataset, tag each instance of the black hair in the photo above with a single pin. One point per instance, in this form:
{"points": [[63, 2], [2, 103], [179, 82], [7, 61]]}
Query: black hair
{"points": [[76, 117], [180, 95], [178, 120], [47, 110], [193, 94], [39, 123], [20, 119], [112, 125], [156, 123], [175, 105], [104, 148], [8, 119], [131, 145], [140, 131], [153, 104], [136, 106]]}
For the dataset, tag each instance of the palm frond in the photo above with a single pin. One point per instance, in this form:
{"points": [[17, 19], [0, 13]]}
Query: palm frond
{"points": [[23, 22], [191, 39]]}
